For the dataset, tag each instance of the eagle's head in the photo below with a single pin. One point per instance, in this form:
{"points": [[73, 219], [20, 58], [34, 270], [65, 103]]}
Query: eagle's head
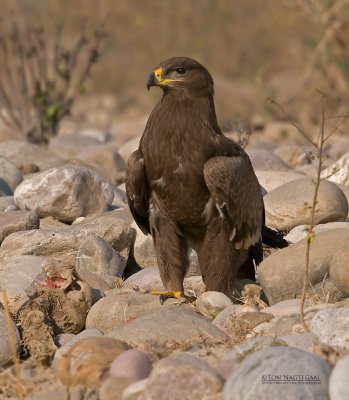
{"points": [[181, 73]]}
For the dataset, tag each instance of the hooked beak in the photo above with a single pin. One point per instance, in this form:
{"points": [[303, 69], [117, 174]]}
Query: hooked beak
{"points": [[156, 79], [151, 80]]}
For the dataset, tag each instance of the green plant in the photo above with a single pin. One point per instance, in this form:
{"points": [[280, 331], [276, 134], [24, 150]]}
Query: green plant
{"points": [[42, 74]]}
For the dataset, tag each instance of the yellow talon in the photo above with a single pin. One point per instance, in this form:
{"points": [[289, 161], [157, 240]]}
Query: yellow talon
{"points": [[168, 294]]}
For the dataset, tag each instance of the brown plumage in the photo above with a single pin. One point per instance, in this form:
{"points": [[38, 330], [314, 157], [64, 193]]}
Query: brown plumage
{"points": [[189, 186]]}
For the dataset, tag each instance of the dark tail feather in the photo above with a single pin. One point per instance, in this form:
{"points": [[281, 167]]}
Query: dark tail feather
{"points": [[273, 238]]}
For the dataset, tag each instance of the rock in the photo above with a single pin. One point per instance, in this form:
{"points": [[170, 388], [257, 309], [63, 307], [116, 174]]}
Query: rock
{"points": [[337, 146], [254, 318], [212, 303], [339, 384], [64, 243], [68, 146], [282, 132], [107, 158], [263, 159], [279, 326], [279, 364], [51, 223], [286, 307], [86, 333], [251, 345], [98, 134], [270, 180], [98, 256], [292, 154], [62, 350], [88, 360], [17, 151], [17, 274], [117, 310], [331, 327], [290, 205], [300, 232], [63, 338], [14, 221], [302, 341], [5, 189], [9, 173], [339, 171], [224, 318], [128, 148], [112, 388], [119, 199], [65, 193], [308, 170], [182, 376], [132, 364], [6, 202], [134, 391], [339, 270], [149, 279], [143, 248], [169, 327], [287, 282], [6, 355], [345, 190]]}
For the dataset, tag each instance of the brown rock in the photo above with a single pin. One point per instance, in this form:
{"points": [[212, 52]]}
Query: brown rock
{"points": [[88, 361], [14, 221]]}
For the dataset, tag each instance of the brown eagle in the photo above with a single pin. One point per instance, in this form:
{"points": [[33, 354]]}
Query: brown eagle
{"points": [[189, 186]]}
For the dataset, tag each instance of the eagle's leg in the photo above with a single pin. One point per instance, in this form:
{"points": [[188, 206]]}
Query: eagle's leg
{"points": [[171, 253], [219, 260]]}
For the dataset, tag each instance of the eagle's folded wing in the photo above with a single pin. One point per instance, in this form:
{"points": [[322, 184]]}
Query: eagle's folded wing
{"points": [[237, 195], [137, 191]]}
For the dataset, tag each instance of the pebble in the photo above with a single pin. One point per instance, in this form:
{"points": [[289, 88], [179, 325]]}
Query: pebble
{"points": [[68, 146], [66, 193], [182, 376], [339, 270], [331, 327], [117, 310], [87, 360], [339, 383], [342, 167], [301, 232], [169, 326], [258, 373], [270, 180], [14, 221], [251, 345], [212, 303], [18, 151], [9, 174], [132, 364], [263, 159], [6, 202], [290, 205], [281, 274]]}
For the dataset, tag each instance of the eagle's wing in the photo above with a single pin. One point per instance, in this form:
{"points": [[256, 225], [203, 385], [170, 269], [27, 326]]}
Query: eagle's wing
{"points": [[137, 191], [237, 196]]}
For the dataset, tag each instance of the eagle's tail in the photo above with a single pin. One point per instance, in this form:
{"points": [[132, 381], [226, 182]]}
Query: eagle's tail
{"points": [[273, 238]]}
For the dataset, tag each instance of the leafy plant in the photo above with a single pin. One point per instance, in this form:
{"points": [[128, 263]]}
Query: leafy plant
{"points": [[42, 74]]}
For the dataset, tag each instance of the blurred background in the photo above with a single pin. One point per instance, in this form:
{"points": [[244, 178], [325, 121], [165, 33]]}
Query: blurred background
{"points": [[85, 63]]}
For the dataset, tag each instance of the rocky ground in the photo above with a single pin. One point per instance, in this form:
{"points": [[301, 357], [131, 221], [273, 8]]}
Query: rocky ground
{"points": [[77, 273]]}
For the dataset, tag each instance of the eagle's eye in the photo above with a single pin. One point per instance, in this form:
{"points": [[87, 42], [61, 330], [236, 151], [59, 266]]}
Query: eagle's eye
{"points": [[181, 70]]}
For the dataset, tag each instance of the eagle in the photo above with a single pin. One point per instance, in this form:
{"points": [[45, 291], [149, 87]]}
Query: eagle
{"points": [[191, 187]]}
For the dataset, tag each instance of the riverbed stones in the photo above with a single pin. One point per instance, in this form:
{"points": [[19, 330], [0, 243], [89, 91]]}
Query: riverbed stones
{"points": [[257, 374], [66, 193], [281, 274], [290, 205]]}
